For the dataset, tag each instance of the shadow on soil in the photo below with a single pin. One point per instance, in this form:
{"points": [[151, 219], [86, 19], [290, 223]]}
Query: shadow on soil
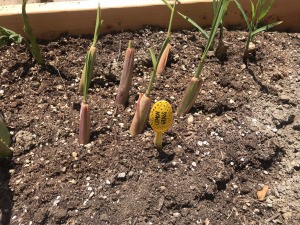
{"points": [[6, 195]]}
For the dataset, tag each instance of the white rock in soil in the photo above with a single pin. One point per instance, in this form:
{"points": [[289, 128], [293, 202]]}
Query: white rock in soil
{"points": [[122, 175], [205, 143], [176, 214], [200, 143], [24, 138], [190, 119], [91, 194], [130, 174]]}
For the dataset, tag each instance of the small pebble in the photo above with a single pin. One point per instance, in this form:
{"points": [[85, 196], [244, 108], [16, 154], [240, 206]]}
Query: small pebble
{"points": [[190, 119], [176, 214], [91, 194], [162, 188], [74, 154], [205, 143], [200, 143], [256, 211], [130, 174], [122, 175]]}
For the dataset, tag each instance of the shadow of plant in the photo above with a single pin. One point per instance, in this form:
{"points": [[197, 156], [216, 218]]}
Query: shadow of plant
{"points": [[263, 88], [6, 195]]}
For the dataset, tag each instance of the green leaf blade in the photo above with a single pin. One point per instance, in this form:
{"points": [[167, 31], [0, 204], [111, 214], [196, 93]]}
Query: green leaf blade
{"points": [[266, 10], [243, 13], [265, 28], [153, 58], [201, 30]]}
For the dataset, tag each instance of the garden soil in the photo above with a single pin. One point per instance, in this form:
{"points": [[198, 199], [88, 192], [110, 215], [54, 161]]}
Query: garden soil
{"points": [[241, 134]]}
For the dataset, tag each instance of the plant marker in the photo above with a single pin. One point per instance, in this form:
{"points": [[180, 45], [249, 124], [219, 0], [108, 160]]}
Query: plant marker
{"points": [[126, 78], [161, 118]]}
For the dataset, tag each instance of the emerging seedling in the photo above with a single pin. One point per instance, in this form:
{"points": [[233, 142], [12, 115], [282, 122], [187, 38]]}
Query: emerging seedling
{"points": [[193, 88], [92, 52], [140, 118], [5, 140], [164, 57], [201, 30], [126, 78], [161, 118], [258, 13], [85, 119], [33, 46], [7, 36], [163, 60], [222, 47]]}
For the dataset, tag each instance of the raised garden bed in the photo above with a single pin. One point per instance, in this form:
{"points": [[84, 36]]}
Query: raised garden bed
{"points": [[242, 133]]}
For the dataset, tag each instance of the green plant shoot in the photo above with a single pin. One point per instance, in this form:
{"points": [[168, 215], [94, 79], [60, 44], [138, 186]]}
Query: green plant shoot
{"points": [[85, 119], [222, 47], [201, 30], [92, 51], [143, 105], [193, 88], [155, 60], [258, 13], [7, 36], [162, 62], [33, 47], [5, 140], [126, 77]]}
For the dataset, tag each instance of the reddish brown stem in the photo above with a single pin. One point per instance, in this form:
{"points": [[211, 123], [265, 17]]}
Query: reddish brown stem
{"points": [[163, 60], [126, 78], [189, 96], [141, 115], [84, 124]]}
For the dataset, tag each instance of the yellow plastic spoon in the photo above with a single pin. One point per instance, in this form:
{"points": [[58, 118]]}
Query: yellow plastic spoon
{"points": [[161, 118]]}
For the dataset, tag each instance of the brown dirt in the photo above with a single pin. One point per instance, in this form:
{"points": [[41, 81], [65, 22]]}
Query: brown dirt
{"points": [[242, 133]]}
